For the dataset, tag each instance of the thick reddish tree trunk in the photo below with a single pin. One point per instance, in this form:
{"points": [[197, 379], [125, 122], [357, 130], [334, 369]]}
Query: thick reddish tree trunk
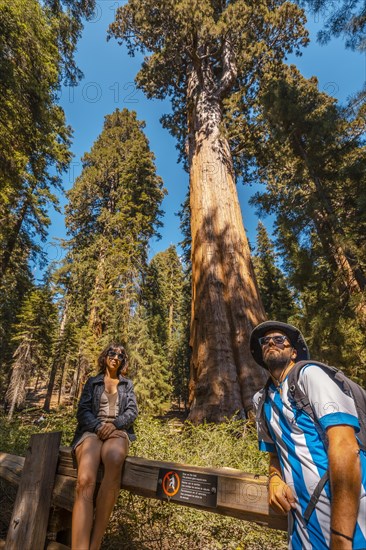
{"points": [[225, 301]]}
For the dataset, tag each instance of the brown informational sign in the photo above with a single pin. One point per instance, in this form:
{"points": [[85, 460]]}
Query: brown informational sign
{"points": [[188, 487]]}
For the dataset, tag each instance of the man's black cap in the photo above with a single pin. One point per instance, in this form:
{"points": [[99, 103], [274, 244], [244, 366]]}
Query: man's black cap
{"points": [[293, 334]]}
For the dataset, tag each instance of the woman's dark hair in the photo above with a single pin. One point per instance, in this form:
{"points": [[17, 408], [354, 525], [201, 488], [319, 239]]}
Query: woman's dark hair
{"points": [[102, 357]]}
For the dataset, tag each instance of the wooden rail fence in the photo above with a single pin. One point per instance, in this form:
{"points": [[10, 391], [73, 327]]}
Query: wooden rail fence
{"points": [[46, 480]]}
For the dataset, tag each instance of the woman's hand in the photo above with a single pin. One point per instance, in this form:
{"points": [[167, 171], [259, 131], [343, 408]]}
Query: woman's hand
{"points": [[105, 430], [280, 496]]}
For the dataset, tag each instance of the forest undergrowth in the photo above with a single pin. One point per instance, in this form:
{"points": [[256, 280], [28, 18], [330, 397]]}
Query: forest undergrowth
{"points": [[145, 524]]}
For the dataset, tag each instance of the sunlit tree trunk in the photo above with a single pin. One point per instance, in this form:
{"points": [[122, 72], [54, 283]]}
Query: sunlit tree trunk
{"points": [[56, 361], [61, 389], [96, 322], [21, 372], [225, 301], [12, 238], [76, 381]]}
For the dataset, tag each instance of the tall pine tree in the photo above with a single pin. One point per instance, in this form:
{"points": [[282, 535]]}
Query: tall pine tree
{"points": [[148, 366], [165, 292], [34, 335], [113, 210], [34, 138], [311, 156], [277, 299]]}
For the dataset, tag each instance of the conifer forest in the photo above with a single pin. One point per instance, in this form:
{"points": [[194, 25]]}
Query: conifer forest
{"points": [[240, 115]]}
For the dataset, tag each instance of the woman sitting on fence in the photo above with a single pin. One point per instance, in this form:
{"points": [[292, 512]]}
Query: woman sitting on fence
{"points": [[106, 412]]}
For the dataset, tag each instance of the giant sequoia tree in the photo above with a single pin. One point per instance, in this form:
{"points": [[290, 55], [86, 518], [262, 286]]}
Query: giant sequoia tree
{"points": [[198, 54]]}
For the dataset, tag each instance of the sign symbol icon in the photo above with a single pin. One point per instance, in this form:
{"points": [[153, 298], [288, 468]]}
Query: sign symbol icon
{"points": [[171, 484]]}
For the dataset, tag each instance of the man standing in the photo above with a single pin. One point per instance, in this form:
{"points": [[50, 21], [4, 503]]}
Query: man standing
{"points": [[302, 449]]}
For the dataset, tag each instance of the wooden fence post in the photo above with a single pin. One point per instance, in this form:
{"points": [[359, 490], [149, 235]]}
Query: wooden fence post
{"points": [[28, 525]]}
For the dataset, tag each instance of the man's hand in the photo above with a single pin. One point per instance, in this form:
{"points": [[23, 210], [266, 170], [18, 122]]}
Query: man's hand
{"points": [[105, 430], [280, 496]]}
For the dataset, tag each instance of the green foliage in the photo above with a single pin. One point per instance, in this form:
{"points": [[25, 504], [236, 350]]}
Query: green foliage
{"points": [[33, 335], [232, 444], [344, 18], [277, 299], [34, 135], [67, 16], [148, 367], [166, 297], [227, 45], [162, 293], [15, 285], [113, 210], [15, 433], [143, 523]]}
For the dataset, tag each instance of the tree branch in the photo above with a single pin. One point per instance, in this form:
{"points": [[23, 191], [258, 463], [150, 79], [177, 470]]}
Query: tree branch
{"points": [[229, 69]]}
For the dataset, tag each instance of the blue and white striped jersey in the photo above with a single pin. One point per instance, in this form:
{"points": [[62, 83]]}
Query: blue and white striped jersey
{"points": [[299, 444]]}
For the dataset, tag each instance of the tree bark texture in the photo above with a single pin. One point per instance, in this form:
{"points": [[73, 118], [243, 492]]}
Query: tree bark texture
{"points": [[56, 361], [12, 239], [225, 300], [96, 322]]}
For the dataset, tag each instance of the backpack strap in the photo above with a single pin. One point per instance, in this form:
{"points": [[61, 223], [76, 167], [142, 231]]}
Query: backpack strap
{"points": [[315, 496], [300, 399], [262, 428]]}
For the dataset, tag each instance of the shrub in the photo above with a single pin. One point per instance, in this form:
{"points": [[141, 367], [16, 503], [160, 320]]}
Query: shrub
{"points": [[146, 524]]}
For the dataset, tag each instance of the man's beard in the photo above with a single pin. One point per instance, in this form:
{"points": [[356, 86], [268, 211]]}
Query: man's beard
{"points": [[277, 362]]}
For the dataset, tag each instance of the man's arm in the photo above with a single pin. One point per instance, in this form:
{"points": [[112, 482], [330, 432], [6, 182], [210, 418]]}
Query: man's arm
{"points": [[345, 483], [280, 495]]}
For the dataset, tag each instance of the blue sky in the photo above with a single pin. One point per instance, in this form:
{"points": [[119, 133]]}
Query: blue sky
{"points": [[108, 83]]}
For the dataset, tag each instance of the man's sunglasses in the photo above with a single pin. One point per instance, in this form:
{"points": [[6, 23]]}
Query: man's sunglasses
{"points": [[278, 340], [120, 356]]}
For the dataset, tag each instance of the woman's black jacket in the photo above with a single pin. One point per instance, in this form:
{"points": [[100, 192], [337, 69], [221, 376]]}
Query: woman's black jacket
{"points": [[87, 413]]}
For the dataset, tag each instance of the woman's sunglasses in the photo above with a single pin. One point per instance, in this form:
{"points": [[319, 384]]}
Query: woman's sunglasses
{"points": [[120, 356]]}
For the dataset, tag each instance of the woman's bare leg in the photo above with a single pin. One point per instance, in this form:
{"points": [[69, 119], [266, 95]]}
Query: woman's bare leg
{"points": [[113, 454], [88, 456]]}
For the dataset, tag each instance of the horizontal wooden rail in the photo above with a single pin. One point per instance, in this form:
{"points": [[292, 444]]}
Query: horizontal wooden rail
{"points": [[240, 495]]}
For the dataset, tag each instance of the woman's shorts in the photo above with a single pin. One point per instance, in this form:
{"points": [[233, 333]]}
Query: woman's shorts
{"points": [[114, 434]]}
